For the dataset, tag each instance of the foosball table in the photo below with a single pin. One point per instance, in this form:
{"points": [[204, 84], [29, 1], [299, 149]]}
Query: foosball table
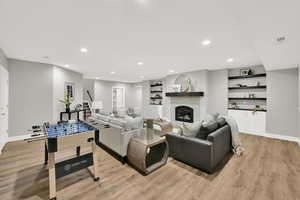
{"points": [[63, 136]]}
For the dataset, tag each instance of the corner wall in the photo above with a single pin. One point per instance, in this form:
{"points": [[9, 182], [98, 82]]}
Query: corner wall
{"points": [[30, 95], [283, 102], [217, 91], [3, 59]]}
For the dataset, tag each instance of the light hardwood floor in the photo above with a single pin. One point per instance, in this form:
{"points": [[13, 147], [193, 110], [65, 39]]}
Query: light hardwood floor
{"points": [[269, 169]]}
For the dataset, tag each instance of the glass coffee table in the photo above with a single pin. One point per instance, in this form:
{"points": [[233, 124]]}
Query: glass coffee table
{"points": [[147, 151]]}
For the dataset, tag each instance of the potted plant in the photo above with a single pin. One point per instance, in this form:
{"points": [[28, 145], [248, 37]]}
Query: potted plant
{"points": [[67, 101]]}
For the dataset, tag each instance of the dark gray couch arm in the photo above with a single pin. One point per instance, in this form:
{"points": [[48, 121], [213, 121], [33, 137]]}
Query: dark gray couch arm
{"points": [[193, 151], [221, 140]]}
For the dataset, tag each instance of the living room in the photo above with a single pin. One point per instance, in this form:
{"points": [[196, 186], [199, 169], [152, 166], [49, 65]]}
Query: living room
{"points": [[141, 99]]}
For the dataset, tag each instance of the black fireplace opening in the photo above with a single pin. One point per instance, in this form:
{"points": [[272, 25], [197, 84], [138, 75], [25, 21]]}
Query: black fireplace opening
{"points": [[184, 114]]}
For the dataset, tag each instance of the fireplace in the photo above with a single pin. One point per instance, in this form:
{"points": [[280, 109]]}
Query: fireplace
{"points": [[184, 114]]}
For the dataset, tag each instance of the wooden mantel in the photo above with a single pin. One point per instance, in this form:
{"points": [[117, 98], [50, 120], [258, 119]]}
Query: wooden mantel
{"points": [[185, 94]]}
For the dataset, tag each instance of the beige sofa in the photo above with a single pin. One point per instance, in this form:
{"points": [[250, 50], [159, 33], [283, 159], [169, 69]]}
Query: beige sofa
{"points": [[117, 137]]}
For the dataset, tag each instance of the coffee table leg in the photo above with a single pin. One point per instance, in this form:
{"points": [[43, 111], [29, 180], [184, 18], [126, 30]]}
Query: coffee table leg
{"points": [[52, 177]]}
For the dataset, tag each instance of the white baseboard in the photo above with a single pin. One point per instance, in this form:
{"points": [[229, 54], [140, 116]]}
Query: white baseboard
{"points": [[2, 144], [17, 138], [276, 136]]}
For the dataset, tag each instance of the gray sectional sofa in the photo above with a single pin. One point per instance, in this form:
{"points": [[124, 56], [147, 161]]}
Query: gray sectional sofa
{"points": [[205, 151]]}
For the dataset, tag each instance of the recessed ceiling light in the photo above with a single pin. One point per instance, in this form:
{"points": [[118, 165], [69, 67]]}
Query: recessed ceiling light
{"points": [[206, 42], [112, 72], [84, 50], [140, 63], [97, 78], [66, 65], [171, 71], [142, 77], [229, 60]]}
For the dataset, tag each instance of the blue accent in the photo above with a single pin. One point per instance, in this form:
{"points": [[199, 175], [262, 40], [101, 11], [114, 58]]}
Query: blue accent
{"points": [[61, 130]]}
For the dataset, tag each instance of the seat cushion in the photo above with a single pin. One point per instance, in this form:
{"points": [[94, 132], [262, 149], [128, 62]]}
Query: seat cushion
{"points": [[206, 129]]}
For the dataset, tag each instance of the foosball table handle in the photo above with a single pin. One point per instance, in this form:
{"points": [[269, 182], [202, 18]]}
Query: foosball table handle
{"points": [[90, 139]]}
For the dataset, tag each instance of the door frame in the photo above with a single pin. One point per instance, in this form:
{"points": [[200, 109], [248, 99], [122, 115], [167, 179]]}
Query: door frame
{"points": [[4, 135]]}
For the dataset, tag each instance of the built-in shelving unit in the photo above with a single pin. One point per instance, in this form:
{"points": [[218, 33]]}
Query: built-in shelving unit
{"points": [[247, 89], [156, 92]]}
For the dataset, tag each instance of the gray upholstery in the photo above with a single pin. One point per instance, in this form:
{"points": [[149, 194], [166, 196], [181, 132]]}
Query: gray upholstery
{"points": [[206, 129], [202, 154]]}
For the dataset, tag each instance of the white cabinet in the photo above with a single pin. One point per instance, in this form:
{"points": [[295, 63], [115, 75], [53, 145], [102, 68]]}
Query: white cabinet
{"points": [[249, 121]]}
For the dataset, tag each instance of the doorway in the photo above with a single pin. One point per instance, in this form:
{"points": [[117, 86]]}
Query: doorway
{"points": [[3, 106]]}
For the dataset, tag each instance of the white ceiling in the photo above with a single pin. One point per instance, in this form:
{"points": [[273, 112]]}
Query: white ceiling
{"points": [[163, 34]]}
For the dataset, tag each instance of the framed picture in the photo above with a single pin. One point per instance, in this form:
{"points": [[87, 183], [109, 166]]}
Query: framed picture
{"points": [[70, 90], [245, 72]]}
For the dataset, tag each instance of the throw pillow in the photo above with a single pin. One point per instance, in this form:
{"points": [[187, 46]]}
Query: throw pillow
{"points": [[133, 123], [221, 122], [206, 129], [191, 130]]}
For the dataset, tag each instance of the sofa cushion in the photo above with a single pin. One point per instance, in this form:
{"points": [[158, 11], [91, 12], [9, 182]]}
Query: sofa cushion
{"points": [[221, 122], [133, 123], [206, 129], [191, 130]]}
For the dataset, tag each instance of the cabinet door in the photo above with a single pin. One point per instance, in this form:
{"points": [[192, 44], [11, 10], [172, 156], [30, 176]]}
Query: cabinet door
{"points": [[249, 122], [257, 122]]}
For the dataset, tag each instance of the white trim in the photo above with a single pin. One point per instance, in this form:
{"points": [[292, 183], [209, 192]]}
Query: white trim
{"points": [[276, 136], [18, 138], [2, 145]]}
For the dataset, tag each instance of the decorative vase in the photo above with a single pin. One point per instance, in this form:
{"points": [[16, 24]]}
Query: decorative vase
{"points": [[68, 110]]}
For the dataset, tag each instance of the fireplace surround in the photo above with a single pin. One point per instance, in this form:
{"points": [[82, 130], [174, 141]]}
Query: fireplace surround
{"points": [[184, 114]]}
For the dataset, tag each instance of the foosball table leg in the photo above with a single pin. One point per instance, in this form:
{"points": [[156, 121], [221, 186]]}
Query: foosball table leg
{"points": [[78, 150], [46, 155], [95, 161], [52, 176]]}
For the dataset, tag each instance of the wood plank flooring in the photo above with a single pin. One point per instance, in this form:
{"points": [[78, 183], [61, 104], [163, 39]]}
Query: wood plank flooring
{"points": [[269, 170]]}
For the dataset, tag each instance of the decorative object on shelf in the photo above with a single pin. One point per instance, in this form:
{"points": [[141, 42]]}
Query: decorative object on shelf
{"points": [[258, 83], [78, 107], [177, 88], [252, 95], [234, 105], [246, 72], [241, 85], [185, 83]]}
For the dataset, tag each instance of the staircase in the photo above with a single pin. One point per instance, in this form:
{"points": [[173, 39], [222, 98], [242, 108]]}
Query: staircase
{"points": [[88, 112]]}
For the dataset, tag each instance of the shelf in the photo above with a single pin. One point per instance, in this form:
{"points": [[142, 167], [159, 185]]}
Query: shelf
{"points": [[243, 98], [155, 97], [249, 76], [183, 94], [156, 104], [156, 91], [246, 109], [155, 85], [248, 87]]}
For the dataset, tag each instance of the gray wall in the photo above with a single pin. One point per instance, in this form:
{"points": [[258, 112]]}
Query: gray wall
{"points": [[60, 77], [30, 95], [103, 92], [217, 91], [283, 102], [88, 84], [3, 59]]}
